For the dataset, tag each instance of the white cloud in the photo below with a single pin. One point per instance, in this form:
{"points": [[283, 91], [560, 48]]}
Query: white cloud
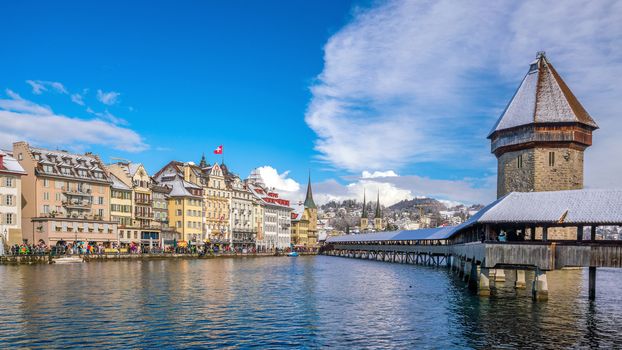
{"points": [[416, 81], [77, 99], [25, 120], [369, 175], [281, 182], [17, 104], [108, 98], [39, 86], [106, 115], [394, 188]]}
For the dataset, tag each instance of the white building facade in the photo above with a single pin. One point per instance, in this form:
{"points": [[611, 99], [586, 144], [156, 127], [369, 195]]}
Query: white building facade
{"points": [[10, 199]]}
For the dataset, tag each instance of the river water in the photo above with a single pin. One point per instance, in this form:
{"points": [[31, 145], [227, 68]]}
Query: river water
{"points": [[304, 302]]}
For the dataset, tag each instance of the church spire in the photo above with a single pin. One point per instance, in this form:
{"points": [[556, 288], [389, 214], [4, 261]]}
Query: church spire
{"points": [[364, 213], [203, 163], [378, 213], [309, 203]]}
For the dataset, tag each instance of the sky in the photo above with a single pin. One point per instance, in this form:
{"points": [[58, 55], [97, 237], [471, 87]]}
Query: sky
{"points": [[389, 96]]}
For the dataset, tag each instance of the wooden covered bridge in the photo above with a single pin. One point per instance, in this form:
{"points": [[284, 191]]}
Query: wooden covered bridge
{"points": [[538, 231]]}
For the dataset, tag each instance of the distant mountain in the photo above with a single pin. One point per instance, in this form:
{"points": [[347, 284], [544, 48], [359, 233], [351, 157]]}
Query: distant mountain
{"points": [[428, 205]]}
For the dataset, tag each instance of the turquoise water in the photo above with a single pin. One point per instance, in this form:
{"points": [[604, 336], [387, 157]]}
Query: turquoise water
{"points": [[304, 302]]}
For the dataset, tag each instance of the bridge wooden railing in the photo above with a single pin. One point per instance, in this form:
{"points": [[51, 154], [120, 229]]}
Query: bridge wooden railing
{"points": [[543, 255]]}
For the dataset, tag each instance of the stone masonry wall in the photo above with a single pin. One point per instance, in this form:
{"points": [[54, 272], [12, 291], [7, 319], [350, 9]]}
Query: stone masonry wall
{"points": [[566, 174], [511, 178]]}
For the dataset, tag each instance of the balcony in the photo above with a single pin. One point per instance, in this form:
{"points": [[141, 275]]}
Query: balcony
{"points": [[143, 201], [82, 205], [76, 192], [143, 215]]}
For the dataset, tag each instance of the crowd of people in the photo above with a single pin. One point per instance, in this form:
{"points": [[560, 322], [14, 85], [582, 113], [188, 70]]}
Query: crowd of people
{"points": [[93, 248]]}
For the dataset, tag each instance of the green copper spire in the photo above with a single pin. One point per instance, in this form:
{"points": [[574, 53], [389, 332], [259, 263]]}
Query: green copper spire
{"points": [[309, 203], [203, 162], [378, 213]]}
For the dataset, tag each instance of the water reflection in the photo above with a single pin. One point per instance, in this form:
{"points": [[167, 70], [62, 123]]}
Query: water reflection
{"points": [[308, 301]]}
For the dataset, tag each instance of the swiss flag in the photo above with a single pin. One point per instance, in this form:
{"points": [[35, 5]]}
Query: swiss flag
{"points": [[218, 150]]}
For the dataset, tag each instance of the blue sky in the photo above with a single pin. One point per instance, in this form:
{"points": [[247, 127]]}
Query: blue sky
{"points": [[396, 96]]}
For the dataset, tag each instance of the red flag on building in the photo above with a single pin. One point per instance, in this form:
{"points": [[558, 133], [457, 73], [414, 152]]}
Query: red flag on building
{"points": [[218, 150]]}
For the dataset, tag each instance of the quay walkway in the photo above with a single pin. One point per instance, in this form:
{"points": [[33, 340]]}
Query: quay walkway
{"points": [[51, 259], [474, 250]]}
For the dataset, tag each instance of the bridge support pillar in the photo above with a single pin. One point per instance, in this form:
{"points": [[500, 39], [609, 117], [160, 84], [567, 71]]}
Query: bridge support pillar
{"points": [[592, 283], [499, 275], [520, 280], [473, 276], [540, 286], [467, 270], [483, 288], [460, 268]]}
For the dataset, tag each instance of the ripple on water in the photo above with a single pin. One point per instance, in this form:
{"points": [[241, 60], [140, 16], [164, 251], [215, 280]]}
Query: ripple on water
{"points": [[309, 302]]}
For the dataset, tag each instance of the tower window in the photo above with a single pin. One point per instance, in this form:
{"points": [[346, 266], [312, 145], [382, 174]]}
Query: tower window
{"points": [[519, 161], [551, 158]]}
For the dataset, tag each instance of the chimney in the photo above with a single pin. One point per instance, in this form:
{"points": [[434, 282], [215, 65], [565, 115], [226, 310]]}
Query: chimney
{"points": [[2, 167]]}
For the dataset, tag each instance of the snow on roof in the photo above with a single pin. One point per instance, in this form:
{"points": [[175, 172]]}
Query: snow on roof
{"points": [[117, 184], [572, 207], [542, 97], [588, 206], [179, 187], [133, 168], [10, 164]]}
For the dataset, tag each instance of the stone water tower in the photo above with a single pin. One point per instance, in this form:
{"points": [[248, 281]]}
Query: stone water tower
{"points": [[540, 138]]}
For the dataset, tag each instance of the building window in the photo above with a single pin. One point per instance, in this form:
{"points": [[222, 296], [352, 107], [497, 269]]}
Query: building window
{"points": [[9, 219], [46, 196], [100, 200], [551, 158], [520, 161], [46, 209], [178, 224], [46, 183], [8, 200], [9, 182], [179, 212]]}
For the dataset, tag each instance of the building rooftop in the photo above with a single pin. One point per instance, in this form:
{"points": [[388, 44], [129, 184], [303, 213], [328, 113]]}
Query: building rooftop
{"points": [[8, 164], [542, 97], [555, 208]]}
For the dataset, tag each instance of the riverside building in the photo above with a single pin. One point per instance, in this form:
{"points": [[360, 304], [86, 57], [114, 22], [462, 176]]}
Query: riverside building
{"points": [[217, 199], [185, 201], [242, 212], [142, 229], [276, 233], [304, 222], [66, 196], [11, 173]]}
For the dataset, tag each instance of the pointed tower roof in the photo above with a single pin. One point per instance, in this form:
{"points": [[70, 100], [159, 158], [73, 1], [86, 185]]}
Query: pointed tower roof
{"points": [[309, 203], [378, 213], [203, 162], [542, 98], [364, 213]]}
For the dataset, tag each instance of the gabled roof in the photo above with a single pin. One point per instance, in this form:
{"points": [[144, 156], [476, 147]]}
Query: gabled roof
{"points": [[10, 164], [117, 184], [542, 97], [179, 187]]}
